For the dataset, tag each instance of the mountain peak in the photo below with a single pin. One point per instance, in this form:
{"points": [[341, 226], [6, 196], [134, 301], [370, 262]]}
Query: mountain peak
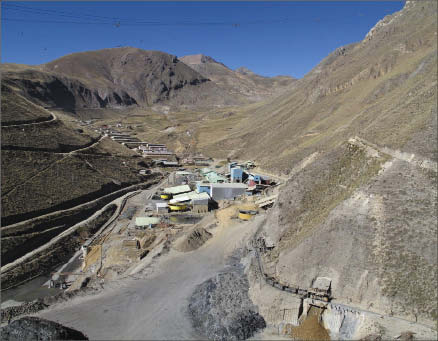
{"points": [[244, 71], [197, 59]]}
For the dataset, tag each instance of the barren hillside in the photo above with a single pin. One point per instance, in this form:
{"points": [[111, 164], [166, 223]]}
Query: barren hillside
{"points": [[357, 138], [48, 164], [241, 82], [382, 89]]}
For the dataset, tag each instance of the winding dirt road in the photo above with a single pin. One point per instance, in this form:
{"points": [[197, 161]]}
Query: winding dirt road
{"points": [[154, 306]]}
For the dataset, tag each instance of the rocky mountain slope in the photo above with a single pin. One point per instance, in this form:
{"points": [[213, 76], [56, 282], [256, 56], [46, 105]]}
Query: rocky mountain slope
{"points": [[382, 89], [114, 78], [124, 77], [241, 82], [357, 139]]}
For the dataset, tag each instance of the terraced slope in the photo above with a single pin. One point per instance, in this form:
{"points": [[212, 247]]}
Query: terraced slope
{"points": [[48, 166]]}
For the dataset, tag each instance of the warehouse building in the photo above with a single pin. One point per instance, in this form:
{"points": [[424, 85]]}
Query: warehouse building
{"points": [[222, 191]]}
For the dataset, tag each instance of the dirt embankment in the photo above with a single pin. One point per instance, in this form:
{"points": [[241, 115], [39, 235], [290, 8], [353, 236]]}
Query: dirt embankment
{"points": [[61, 251]]}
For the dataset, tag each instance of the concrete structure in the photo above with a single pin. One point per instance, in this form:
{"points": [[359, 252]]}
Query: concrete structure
{"points": [[183, 177], [145, 222], [221, 191], [162, 207], [199, 205], [266, 201], [131, 244], [236, 174], [177, 189]]}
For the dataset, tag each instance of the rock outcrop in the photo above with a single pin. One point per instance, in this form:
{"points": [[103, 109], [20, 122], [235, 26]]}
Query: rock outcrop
{"points": [[220, 308], [34, 328]]}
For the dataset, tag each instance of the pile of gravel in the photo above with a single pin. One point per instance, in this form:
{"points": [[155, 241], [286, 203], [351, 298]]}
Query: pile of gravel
{"points": [[193, 240], [34, 328], [220, 308]]}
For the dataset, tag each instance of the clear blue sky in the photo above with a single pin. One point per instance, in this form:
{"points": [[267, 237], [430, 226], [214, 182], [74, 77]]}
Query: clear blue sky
{"points": [[270, 38]]}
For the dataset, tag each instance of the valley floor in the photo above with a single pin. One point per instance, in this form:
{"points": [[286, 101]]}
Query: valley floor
{"points": [[153, 306]]}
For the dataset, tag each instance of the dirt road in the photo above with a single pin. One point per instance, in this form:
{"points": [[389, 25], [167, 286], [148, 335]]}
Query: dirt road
{"points": [[154, 306]]}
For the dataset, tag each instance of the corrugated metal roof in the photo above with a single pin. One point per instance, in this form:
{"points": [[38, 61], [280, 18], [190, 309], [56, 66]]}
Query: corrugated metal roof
{"points": [[214, 177], [189, 196], [144, 221], [177, 189], [229, 185], [184, 173]]}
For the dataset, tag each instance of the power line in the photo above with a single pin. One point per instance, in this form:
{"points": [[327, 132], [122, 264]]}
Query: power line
{"points": [[120, 21], [51, 11]]}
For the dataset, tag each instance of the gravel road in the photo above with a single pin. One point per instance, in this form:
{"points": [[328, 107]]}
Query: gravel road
{"points": [[154, 306]]}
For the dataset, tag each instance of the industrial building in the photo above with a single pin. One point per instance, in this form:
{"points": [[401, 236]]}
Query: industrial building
{"points": [[222, 191], [177, 190], [236, 174], [200, 205]]}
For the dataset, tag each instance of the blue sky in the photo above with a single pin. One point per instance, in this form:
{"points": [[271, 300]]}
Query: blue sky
{"points": [[270, 38]]}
